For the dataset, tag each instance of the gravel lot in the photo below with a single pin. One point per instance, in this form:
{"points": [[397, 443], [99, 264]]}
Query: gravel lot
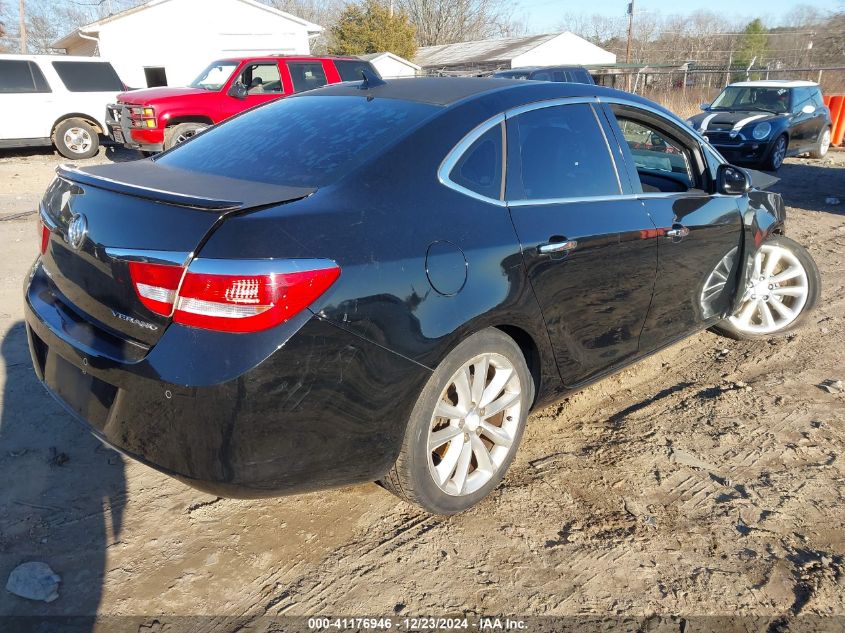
{"points": [[709, 479]]}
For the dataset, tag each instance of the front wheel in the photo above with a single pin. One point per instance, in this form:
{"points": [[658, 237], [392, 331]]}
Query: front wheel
{"points": [[465, 427], [784, 287], [180, 133], [776, 155]]}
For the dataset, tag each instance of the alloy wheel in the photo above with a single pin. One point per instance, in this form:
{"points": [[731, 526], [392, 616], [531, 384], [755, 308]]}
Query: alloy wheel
{"points": [[78, 140], [825, 142], [474, 425], [779, 152], [776, 293]]}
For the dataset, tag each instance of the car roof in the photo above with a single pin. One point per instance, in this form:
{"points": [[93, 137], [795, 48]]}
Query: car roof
{"points": [[52, 58], [294, 58], [775, 83], [448, 91], [531, 69]]}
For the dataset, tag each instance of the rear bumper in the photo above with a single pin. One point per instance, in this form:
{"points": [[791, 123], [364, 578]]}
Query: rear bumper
{"points": [[297, 408]]}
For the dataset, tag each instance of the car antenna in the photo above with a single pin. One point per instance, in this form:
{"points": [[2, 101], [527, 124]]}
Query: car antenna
{"points": [[371, 80]]}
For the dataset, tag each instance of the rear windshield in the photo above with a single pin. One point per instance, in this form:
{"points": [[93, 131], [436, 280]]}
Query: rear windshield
{"points": [[88, 76], [307, 141], [350, 70]]}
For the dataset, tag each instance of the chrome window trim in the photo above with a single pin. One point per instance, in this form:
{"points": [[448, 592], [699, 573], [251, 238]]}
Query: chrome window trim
{"points": [[573, 200], [457, 152], [170, 258]]}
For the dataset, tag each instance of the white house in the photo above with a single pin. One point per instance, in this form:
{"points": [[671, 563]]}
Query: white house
{"points": [[168, 42], [389, 65], [551, 49]]}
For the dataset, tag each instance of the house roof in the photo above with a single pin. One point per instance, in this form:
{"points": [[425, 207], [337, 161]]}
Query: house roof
{"points": [[94, 27], [371, 57], [479, 51]]}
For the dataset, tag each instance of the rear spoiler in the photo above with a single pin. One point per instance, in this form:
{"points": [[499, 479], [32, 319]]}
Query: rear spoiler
{"points": [[149, 180]]}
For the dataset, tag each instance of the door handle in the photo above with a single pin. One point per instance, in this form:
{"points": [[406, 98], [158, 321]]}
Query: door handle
{"points": [[677, 231], [557, 247]]}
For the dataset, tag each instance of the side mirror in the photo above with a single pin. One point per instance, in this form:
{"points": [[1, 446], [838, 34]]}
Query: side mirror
{"points": [[732, 181], [704, 106], [238, 91], [808, 109]]}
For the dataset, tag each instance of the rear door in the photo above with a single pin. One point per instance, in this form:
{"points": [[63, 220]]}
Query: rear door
{"points": [[698, 232], [25, 101], [307, 75], [590, 251], [91, 86]]}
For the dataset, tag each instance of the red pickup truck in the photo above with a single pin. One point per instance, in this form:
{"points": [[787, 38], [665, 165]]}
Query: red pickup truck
{"points": [[158, 118]]}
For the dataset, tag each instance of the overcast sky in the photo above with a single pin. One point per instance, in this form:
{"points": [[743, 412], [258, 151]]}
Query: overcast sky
{"points": [[543, 16]]}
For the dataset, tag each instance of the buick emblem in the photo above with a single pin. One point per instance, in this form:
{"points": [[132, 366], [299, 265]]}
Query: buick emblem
{"points": [[77, 229]]}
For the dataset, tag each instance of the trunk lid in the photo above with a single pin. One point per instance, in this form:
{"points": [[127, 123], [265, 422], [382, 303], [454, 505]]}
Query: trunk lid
{"points": [[134, 210]]}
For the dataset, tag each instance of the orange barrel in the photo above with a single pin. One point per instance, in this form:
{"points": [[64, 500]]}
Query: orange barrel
{"points": [[837, 115], [826, 100]]}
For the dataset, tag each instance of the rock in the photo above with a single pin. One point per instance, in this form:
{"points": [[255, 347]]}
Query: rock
{"points": [[832, 201], [832, 386], [34, 581]]}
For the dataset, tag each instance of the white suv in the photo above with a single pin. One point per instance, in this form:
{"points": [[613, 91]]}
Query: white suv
{"points": [[55, 100]]}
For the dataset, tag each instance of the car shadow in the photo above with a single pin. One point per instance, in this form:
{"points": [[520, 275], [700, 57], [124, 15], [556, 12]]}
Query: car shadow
{"points": [[808, 184], [61, 502], [111, 152]]}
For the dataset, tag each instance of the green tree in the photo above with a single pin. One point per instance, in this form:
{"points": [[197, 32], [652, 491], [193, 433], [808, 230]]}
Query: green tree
{"points": [[754, 42], [369, 28]]}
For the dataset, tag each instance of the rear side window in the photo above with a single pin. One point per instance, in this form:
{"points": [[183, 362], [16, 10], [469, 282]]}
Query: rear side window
{"points": [[20, 76], [818, 101], [479, 169], [350, 69], [88, 76], [307, 141], [307, 75], [563, 154]]}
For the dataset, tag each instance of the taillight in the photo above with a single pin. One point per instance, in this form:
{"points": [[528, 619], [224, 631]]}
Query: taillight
{"points": [[44, 234], [231, 302]]}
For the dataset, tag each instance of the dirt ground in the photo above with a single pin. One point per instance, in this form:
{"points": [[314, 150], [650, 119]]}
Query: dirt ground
{"points": [[709, 479]]}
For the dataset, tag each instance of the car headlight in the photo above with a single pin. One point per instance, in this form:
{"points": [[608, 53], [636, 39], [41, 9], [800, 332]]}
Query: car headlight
{"points": [[761, 131]]}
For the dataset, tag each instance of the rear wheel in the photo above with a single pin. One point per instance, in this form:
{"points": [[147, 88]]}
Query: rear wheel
{"points": [[75, 138], [776, 155], [783, 289], [822, 145], [465, 427], [182, 132]]}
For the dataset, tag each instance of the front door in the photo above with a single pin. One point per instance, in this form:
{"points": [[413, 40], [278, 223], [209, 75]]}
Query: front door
{"points": [[589, 251], [699, 234], [263, 83]]}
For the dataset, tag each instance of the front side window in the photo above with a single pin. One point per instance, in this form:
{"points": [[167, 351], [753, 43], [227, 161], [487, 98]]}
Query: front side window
{"points": [[261, 78], [563, 154], [20, 76], [656, 156], [215, 76], [307, 75], [479, 169], [88, 76]]}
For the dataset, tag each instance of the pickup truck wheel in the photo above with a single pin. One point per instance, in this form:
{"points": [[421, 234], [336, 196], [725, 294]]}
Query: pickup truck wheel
{"points": [[180, 133], [822, 144], [75, 138], [783, 289], [465, 427]]}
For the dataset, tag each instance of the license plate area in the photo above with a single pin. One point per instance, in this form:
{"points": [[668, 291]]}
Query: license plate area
{"points": [[87, 396]]}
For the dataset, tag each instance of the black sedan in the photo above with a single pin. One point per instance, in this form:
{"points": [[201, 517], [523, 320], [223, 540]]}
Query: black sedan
{"points": [[378, 281], [762, 122]]}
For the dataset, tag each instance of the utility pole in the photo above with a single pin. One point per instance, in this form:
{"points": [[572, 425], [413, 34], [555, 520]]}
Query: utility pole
{"points": [[22, 18], [628, 47], [391, 8]]}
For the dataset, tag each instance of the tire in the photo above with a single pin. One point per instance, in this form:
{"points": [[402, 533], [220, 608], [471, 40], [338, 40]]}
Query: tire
{"points": [[76, 139], [798, 295], [774, 160], [822, 144], [412, 477], [181, 132]]}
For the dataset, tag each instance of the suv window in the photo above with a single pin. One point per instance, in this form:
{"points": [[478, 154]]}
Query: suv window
{"points": [[479, 169], [20, 76], [88, 76], [306, 141], [350, 69], [307, 75], [564, 154], [656, 157], [261, 78], [542, 75]]}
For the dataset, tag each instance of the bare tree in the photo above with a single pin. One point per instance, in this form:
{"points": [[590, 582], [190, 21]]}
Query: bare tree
{"points": [[449, 21]]}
